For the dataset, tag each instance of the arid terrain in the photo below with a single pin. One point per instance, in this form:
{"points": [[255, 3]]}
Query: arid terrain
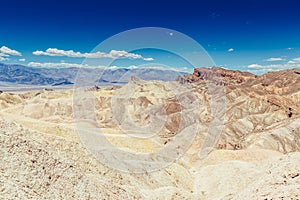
{"points": [[257, 155]]}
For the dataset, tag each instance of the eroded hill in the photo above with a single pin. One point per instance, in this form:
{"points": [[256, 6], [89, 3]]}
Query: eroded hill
{"points": [[256, 156]]}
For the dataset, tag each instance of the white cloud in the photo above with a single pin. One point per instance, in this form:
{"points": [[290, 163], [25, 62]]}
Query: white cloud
{"points": [[148, 59], [22, 59], [6, 52], [274, 59], [113, 67], [48, 64], [296, 59], [259, 71], [3, 55], [162, 67], [230, 50], [132, 67], [292, 62], [256, 68], [66, 65], [3, 59], [9, 52], [70, 53], [290, 48]]}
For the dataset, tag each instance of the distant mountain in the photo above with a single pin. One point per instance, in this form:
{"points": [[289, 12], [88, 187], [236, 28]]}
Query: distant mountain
{"points": [[123, 75], [63, 83], [19, 74]]}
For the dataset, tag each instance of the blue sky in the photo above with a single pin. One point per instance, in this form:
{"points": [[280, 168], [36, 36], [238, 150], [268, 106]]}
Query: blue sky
{"points": [[254, 35]]}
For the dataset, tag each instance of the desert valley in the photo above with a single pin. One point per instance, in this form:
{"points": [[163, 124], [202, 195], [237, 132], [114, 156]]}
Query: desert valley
{"points": [[256, 156]]}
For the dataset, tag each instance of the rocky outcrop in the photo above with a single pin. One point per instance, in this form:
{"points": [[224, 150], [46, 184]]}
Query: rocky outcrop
{"points": [[256, 106], [218, 76]]}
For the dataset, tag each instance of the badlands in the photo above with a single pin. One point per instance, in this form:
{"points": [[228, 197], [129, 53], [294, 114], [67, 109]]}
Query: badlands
{"points": [[254, 153]]}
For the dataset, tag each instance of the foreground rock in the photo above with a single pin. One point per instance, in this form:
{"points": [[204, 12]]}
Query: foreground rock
{"points": [[36, 165]]}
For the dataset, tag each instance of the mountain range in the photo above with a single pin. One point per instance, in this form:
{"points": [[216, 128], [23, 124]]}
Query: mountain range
{"points": [[34, 76]]}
